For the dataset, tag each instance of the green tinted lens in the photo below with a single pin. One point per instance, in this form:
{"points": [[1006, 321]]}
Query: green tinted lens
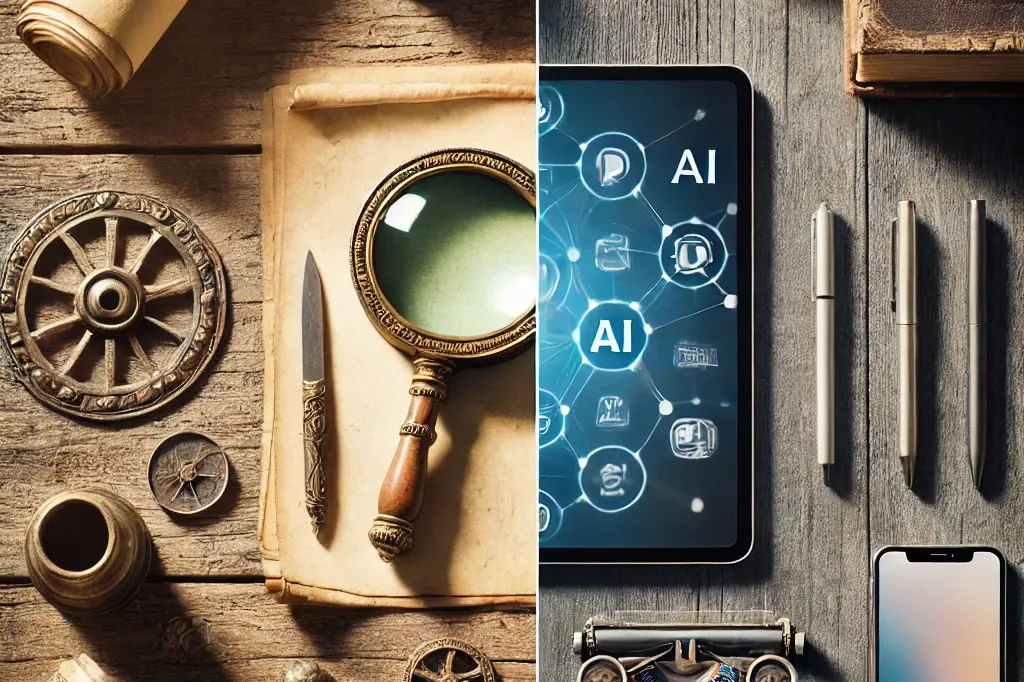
{"points": [[455, 254]]}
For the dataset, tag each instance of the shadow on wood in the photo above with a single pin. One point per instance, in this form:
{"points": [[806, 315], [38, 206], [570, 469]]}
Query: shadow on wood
{"points": [[999, 320]]}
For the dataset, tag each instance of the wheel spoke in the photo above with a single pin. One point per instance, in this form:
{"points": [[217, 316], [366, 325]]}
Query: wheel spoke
{"points": [[78, 253], [140, 259], [422, 671], [172, 288], [140, 353], [166, 327], [472, 674], [110, 361], [177, 492], [111, 222], [56, 286], [54, 327], [75, 354], [449, 662]]}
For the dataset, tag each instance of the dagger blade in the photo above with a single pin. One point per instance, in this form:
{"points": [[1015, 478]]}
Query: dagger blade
{"points": [[312, 323]]}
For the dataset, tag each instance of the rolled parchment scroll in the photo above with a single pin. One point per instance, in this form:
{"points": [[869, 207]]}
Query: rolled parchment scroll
{"points": [[97, 45]]}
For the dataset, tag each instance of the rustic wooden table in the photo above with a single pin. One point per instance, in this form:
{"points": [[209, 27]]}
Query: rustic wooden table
{"points": [[187, 129], [815, 143]]}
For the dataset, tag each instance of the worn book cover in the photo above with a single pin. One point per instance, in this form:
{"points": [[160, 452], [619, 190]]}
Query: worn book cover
{"points": [[329, 137], [934, 47]]}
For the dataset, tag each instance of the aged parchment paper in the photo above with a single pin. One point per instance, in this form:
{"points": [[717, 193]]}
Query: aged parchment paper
{"points": [[330, 136]]}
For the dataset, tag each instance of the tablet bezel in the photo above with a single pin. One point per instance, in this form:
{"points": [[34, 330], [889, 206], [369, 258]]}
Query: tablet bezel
{"points": [[745, 341]]}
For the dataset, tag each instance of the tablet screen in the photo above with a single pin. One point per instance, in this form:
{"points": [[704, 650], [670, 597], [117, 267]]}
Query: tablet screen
{"points": [[644, 316]]}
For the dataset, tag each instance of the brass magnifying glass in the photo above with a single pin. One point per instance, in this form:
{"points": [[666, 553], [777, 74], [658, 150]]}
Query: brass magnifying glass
{"points": [[444, 261]]}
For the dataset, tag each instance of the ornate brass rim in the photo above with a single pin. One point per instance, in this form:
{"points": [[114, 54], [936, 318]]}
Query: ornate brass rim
{"points": [[417, 670], [401, 333], [108, 305]]}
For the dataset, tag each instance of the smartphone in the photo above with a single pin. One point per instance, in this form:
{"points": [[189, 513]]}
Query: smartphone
{"points": [[645, 314], [939, 614]]}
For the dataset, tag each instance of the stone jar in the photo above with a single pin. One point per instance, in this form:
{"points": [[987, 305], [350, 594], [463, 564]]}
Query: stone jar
{"points": [[88, 551]]}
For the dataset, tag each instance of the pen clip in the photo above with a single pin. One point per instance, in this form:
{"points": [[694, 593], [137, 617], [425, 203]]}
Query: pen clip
{"points": [[814, 255], [892, 267]]}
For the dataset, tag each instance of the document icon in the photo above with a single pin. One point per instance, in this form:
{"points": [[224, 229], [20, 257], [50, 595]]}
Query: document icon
{"points": [[692, 438], [611, 253], [612, 412]]}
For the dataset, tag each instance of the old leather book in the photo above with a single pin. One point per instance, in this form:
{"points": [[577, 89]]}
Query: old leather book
{"points": [[947, 47]]}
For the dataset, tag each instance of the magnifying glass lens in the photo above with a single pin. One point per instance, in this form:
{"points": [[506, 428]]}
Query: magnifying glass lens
{"points": [[455, 254]]}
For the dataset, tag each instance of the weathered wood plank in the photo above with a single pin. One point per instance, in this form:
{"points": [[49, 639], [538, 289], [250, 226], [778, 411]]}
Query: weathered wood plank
{"points": [[957, 152], [42, 453], [810, 562], [204, 81], [200, 632]]}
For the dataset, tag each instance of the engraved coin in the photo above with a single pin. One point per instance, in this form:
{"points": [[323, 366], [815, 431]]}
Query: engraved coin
{"points": [[188, 473], [448, 660]]}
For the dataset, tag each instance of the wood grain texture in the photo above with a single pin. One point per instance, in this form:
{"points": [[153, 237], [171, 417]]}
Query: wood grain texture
{"points": [[200, 632], [958, 152], [204, 81], [810, 561], [43, 453]]}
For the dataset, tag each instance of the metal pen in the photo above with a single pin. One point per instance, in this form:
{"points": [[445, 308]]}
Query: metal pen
{"points": [[976, 319], [904, 307], [823, 239]]}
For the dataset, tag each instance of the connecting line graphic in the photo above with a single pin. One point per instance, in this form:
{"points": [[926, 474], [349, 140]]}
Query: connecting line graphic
{"points": [[647, 203], [685, 317], [697, 116], [590, 373], [650, 382]]}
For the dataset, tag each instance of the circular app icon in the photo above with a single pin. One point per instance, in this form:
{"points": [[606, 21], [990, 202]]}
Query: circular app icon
{"points": [[612, 478], [550, 108], [613, 165], [693, 254], [549, 516], [550, 418], [612, 336]]}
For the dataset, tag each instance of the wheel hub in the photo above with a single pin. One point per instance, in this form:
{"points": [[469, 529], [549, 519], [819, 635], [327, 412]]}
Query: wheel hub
{"points": [[110, 301]]}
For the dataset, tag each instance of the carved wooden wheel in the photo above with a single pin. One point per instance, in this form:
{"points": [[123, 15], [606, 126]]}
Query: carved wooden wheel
{"points": [[111, 304], [448, 660]]}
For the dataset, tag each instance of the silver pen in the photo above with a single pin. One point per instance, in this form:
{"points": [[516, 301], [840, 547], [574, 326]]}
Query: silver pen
{"points": [[823, 239], [976, 274], [904, 307]]}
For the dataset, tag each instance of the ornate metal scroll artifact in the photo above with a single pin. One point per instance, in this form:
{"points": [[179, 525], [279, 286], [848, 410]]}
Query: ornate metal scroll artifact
{"points": [[111, 305], [188, 473], [435, 355], [706, 652], [87, 551], [448, 660]]}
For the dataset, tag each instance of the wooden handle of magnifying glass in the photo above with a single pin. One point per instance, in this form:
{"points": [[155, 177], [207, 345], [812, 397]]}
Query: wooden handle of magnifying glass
{"points": [[401, 494]]}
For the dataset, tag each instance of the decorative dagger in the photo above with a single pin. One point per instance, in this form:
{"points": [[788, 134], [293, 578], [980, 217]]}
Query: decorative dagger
{"points": [[314, 390]]}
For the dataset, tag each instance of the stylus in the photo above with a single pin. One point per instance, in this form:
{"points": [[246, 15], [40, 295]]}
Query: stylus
{"points": [[904, 306], [823, 240], [976, 269]]}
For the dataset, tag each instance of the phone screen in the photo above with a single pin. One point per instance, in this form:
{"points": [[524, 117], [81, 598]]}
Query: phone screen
{"points": [[643, 310], [939, 620]]}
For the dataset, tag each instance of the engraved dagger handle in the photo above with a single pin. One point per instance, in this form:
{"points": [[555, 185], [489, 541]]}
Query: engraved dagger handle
{"points": [[314, 427], [401, 494]]}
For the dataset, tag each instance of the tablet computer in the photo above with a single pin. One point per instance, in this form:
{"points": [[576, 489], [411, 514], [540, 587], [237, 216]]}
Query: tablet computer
{"points": [[645, 314]]}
